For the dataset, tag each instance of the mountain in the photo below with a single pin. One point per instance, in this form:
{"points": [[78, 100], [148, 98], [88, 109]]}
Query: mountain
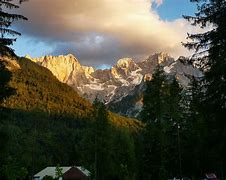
{"points": [[106, 85], [113, 84], [123, 80], [38, 90], [44, 122], [131, 104]]}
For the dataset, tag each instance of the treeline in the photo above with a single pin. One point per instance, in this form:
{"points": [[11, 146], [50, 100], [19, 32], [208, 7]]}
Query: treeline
{"points": [[32, 140], [185, 129], [57, 126], [36, 87], [183, 133], [174, 142], [177, 140]]}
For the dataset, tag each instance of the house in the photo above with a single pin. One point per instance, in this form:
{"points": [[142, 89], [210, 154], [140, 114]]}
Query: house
{"points": [[210, 176], [69, 173], [76, 173]]}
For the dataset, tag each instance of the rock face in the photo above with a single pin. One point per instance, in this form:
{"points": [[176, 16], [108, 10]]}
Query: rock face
{"points": [[112, 85], [67, 69]]}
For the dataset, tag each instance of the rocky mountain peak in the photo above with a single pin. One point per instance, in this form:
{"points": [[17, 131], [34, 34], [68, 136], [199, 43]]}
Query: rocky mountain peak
{"points": [[161, 58], [88, 70], [124, 63], [71, 56], [124, 67], [68, 59], [66, 68], [113, 84]]}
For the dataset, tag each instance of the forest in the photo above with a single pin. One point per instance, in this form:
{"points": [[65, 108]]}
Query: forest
{"points": [[180, 131]]}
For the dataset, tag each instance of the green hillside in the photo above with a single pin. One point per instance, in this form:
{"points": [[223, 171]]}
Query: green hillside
{"points": [[45, 123], [38, 90]]}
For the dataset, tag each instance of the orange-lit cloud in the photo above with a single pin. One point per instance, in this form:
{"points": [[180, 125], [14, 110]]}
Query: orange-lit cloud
{"points": [[159, 2], [102, 30]]}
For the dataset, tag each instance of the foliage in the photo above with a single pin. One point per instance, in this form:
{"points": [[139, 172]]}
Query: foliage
{"points": [[109, 151], [153, 100], [6, 20], [102, 141], [182, 132], [58, 171], [46, 123], [5, 77], [124, 156], [120, 121], [162, 113], [37, 88], [210, 55]]}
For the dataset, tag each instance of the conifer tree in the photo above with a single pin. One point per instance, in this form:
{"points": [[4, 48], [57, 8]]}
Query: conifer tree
{"points": [[6, 19], [123, 155], [196, 132], [153, 97], [102, 144], [152, 115], [210, 55], [5, 77], [162, 114], [210, 50]]}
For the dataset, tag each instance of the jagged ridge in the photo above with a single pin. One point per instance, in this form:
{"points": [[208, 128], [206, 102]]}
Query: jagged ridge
{"points": [[113, 84], [37, 90]]}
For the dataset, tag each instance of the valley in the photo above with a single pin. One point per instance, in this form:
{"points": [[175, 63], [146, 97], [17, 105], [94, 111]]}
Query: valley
{"points": [[112, 90]]}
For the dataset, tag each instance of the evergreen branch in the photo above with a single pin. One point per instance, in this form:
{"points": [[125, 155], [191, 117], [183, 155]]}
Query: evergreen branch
{"points": [[6, 20], [9, 31], [12, 16], [9, 5], [21, 1], [6, 41], [5, 23]]}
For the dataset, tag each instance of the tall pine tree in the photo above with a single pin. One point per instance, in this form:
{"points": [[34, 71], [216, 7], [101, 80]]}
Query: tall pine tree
{"points": [[6, 19], [5, 77], [162, 115], [210, 48], [102, 141]]}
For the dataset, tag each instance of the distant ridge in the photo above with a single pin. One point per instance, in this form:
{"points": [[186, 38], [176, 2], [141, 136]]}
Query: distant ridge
{"points": [[113, 84]]}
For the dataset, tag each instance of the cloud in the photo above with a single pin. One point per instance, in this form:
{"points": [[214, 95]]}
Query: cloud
{"points": [[101, 31], [158, 2]]}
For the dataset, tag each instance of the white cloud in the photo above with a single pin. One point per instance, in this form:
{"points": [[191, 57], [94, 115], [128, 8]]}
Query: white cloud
{"points": [[125, 27], [158, 2]]}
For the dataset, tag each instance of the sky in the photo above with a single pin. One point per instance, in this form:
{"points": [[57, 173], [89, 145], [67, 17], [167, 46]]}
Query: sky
{"points": [[99, 32]]}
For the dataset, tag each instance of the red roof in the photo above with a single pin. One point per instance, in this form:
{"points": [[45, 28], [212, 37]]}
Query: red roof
{"points": [[75, 174]]}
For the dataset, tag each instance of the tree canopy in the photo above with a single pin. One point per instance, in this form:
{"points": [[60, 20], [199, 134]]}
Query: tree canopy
{"points": [[162, 113], [210, 56], [6, 19]]}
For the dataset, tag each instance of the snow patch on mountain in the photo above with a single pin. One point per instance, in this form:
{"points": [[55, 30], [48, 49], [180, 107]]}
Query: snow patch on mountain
{"points": [[111, 85]]}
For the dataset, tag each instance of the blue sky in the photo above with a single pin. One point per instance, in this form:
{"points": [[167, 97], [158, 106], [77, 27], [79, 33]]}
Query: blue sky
{"points": [[127, 28], [173, 9], [29, 46]]}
